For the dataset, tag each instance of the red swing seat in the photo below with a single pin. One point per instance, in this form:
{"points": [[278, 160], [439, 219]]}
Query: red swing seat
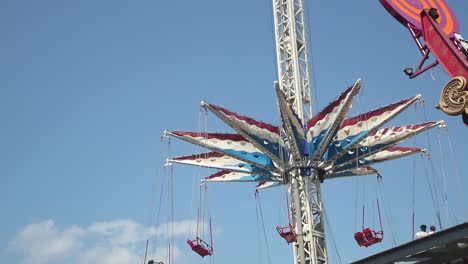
{"points": [[368, 237], [200, 247], [287, 233]]}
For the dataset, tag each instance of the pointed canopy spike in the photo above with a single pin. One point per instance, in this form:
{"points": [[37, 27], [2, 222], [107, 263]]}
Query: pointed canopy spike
{"points": [[267, 184], [219, 161], [382, 139], [387, 154], [292, 126], [356, 171], [233, 145], [262, 135], [356, 129], [324, 126], [233, 176]]}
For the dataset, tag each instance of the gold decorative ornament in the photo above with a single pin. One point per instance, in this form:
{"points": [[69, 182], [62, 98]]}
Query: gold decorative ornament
{"points": [[454, 97]]}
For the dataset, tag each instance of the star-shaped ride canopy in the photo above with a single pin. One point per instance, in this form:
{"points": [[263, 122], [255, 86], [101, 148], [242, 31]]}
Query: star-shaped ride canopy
{"points": [[330, 143]]}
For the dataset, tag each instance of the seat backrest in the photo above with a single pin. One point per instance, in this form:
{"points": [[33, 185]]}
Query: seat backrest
{"points": [[284, 229], [192, 243], [359, 237], [369, 234]]}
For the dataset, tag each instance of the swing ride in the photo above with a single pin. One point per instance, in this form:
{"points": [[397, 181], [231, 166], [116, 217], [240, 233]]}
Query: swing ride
{"points": [[258, 153], [368, 237], [435, 30], [198, 245], [305, 149], [286, 232]]}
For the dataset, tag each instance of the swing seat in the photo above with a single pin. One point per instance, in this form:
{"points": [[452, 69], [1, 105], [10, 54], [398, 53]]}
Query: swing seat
{"points": [[360, 239], [200, 247], [368, 237], [287, 233]]}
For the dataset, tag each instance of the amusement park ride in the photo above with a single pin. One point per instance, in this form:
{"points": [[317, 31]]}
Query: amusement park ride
{"points": [[307, 149], [435, 30]]}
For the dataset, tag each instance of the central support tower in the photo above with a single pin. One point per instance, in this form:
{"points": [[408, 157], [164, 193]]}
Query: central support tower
{"points": [[294, 81]]}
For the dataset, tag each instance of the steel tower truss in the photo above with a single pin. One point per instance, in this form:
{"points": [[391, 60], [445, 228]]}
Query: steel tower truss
{"points": [[291, 54], [294, 82]]}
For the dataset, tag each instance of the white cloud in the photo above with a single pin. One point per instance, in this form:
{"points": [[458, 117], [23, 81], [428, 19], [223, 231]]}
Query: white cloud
{"points": [[113, 255], [161, 254], [119, 232], [116, 242], [43, 241], [180, 228]]}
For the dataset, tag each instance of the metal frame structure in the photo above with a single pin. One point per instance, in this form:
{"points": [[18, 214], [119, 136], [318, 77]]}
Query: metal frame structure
{"points": [[294, 82], [291, 54]]}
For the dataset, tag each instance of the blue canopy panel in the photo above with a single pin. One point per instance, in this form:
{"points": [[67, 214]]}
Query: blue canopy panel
{"points": [[263, 136], [390, 153], [234, 176], [278, 151], [324, 126], [233, 145], [356, 129], [215, 160], [382, 139]]}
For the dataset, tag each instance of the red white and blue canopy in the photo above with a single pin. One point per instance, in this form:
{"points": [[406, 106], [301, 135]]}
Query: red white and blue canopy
{"points": [[329, 142]]}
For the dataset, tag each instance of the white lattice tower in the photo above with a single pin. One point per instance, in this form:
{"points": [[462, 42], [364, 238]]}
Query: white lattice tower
{"points": [[294, 81]]}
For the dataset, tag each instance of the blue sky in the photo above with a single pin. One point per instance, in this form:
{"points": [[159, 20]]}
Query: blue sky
{"points": [[88, 87]]}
